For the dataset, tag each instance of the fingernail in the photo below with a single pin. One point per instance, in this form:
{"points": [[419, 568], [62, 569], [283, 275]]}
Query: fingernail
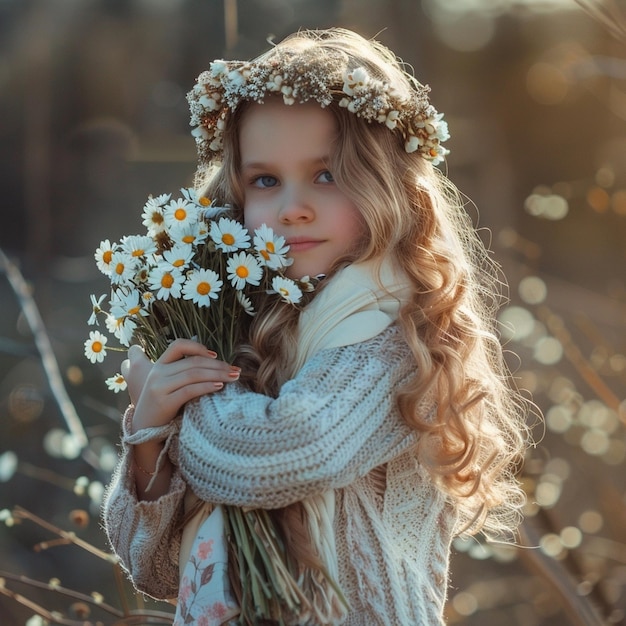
{"points": [[234, 368], [218, 385], [212, 354], [233, 374]]}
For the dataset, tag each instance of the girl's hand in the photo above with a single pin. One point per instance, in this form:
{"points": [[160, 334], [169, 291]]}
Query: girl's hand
{"points": [[186, 370], [136, 375]]}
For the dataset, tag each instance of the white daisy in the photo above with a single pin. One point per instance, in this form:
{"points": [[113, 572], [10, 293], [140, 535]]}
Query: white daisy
{"points": [[190, 234], [306, 284], [103, 256], [127, 304], [167, 280], [138, 245], [229, 235], [246, 303], [213, 212], [122, 327], [243, 269], [202, 286], [179, 213], [95, 346], [437, 153], [152, 215], [271, 249], [122, 267], [178, 256], [95, 309], [142, 274], [116, 383], [286, 289], [147, 297], [191, 195]]}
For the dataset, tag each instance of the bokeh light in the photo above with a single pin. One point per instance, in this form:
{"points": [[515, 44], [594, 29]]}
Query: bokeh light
{"points": [[548, 206]]}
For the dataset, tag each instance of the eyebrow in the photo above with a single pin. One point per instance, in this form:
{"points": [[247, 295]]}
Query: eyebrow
{"points": [[260, 165]]}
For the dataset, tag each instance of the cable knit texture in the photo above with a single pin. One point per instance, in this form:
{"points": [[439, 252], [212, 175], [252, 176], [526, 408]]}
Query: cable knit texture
{"points": [[334, 426]]}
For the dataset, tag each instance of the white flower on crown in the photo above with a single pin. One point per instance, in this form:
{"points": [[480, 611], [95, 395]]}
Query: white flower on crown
{"points": [[412, 143], [236, 78], [288, 97], [437, 127], [437, 153], [275, 82], [390, 120], [200, 133], [212, 101], [352, 106], [355, 81], [219, 67]]}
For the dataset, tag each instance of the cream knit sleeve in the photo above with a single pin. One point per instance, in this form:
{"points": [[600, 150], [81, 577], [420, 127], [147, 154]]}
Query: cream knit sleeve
{"points": [[145, 535], [334, 422]]}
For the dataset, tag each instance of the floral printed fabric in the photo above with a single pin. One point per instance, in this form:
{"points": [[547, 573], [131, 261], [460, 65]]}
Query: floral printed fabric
{"points": [[204, 598]]}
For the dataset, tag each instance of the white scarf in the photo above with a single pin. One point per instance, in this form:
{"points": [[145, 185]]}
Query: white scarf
{"points": [[357, 304]]}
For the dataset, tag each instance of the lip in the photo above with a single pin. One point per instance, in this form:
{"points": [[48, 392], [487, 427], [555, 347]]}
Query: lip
{"points": [[301, 244]]}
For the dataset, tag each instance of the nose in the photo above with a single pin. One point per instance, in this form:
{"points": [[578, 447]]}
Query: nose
{"points": [[295, 208]]}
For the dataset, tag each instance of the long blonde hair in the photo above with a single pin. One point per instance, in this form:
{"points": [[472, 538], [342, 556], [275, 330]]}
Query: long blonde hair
{"points": [[474, 444]]}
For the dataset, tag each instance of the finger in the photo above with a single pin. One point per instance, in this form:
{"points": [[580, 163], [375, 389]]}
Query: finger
{"points": [[136, 352], [183, 395], [138, 366], [171, 378], [209, 364], [185, 348]]}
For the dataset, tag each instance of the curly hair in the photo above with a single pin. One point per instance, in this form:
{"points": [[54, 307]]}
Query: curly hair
{"points": [[474, 444]]}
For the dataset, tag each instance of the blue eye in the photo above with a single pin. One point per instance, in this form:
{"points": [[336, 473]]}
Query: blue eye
{"points": [[325, 177], [265, 181]]}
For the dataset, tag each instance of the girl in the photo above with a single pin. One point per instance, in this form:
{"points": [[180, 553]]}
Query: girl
{"points": [[376, 423]]}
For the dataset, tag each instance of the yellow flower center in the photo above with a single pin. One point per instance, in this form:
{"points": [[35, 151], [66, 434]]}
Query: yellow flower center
{"points": [[270, 247], [138, 253], [203, 288], [180, 214], [189, 238], [284, 292], [265, 255], [96, 346], [228, 239], [134, 310], [119, 269], [178, 263], [204, 201], [242, 271], [107, 255], [167, 281], [157, 218]]}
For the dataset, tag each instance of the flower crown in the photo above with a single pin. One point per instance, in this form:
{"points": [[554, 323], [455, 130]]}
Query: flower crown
{"points": [[219, 90]]}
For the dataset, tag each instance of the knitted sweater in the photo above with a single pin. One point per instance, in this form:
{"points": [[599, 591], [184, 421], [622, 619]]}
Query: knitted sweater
{"points": [[334, 426]]}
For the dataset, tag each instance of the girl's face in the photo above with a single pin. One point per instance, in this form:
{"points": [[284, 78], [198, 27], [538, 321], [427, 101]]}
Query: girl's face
{"points": [[287, 185]]}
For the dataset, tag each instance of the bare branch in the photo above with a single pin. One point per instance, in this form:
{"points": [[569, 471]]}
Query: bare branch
{"points": [[44, 346]]}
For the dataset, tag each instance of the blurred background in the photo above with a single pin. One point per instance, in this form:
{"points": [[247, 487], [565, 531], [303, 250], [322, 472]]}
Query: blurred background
{"points": [[93, 118]]}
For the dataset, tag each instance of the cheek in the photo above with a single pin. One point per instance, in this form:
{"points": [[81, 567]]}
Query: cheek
{"points": [[251, 213], [355, 224]]}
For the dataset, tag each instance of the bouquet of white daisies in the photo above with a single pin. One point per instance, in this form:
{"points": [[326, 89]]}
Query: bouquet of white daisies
{"points": [[194, 274]]}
